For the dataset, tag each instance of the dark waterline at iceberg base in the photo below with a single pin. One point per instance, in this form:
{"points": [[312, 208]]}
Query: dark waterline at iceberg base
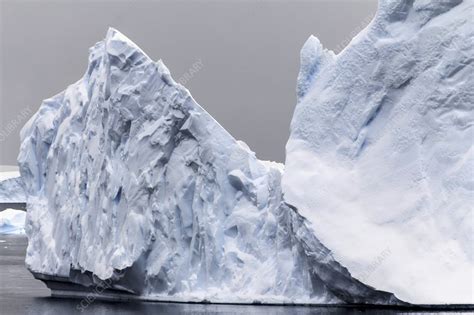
{"points": [[22, 294]]}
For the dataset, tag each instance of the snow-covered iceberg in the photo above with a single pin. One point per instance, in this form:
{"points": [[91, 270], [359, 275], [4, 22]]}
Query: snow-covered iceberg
{"points": [[131, 182], [380, 158], [12, 221]]}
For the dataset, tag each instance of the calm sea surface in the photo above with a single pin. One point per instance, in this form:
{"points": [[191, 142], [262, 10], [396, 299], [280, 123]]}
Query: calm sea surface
{"points": [[21, 294]]}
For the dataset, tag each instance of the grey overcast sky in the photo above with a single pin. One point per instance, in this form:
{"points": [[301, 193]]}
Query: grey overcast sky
{"points": [[249, 51]]}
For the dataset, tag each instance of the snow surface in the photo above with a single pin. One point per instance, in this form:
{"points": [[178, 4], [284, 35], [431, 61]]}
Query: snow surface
{"points": [[12, 221], [380, 158], [129, 180]]}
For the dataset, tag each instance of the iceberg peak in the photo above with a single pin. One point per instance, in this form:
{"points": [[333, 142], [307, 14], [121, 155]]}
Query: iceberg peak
{"points": [[313, 58]]}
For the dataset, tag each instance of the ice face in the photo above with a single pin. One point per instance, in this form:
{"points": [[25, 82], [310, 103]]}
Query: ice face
{"points": [[380, 158], [129, 180]]}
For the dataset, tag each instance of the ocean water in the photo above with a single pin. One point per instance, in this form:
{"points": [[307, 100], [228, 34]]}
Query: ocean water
{"points": [[20, 293]]}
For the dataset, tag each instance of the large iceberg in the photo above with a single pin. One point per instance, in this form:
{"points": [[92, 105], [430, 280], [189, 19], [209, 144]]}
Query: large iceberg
{"points": [[380, 158], [130, 182]]}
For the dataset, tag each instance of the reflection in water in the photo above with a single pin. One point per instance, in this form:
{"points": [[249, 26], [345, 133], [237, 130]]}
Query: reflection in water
{"points": [[21, 294], [55, 306]]}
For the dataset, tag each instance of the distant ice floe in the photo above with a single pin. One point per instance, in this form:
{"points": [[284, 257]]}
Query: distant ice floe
{"points": [[8, 175], [12, 221]]}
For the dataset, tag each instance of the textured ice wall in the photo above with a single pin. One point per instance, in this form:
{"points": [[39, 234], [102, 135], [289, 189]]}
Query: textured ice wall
{"points": [[130, 180], [380, 158]]}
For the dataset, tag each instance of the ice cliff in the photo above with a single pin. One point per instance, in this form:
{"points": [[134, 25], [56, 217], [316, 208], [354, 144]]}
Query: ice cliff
{"points": [[130, 181], [380, 158]]}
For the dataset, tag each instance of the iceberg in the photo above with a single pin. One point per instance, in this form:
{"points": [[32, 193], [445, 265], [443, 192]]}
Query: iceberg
{"points": [[380, 160], [12, 221], [12, 190], [131, 183]]}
